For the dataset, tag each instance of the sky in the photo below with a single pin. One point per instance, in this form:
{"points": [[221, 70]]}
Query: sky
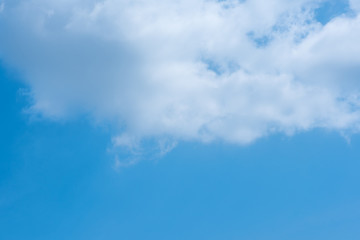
{"points": [[181, 119]]}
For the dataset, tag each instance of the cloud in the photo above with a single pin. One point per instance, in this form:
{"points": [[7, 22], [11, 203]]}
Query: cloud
{"points": [[355, 4], [187, 70]]}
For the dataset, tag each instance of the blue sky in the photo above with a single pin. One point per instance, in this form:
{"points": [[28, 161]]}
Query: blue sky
{"points": [[113, 133]]}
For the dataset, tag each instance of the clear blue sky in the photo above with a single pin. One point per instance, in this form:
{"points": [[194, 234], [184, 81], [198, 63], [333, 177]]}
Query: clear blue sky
{"points": [[58, 180]]}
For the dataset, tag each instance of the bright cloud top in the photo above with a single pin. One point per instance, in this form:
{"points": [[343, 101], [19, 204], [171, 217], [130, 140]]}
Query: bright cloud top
{"points": [[199, 70]]}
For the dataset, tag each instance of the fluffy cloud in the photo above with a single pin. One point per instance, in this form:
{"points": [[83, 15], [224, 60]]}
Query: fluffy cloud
{"points": [[198, 70]]}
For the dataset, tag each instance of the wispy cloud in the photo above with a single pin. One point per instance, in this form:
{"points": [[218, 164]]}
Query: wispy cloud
{"points": [[2, 6]]}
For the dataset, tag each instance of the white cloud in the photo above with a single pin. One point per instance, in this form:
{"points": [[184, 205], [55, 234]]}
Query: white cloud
{"points": [[187, 69]]}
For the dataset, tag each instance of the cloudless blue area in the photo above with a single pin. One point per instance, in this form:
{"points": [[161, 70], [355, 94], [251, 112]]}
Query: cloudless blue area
{"points": [[330, 9], [57, 182]]}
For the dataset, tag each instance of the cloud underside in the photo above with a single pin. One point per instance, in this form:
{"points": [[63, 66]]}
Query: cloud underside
{"points": [[187, 70]]}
